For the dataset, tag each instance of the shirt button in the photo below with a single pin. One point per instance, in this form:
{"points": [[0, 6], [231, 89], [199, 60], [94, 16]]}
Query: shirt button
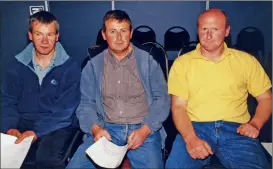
{"points": [[119, 81]]}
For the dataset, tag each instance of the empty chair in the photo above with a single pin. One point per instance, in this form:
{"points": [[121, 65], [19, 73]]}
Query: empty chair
{"points": [[143, 34], [188, 47], [93, 51], [159, 54], [175, 40], [100, 41], [251, 40], [228, 40]]}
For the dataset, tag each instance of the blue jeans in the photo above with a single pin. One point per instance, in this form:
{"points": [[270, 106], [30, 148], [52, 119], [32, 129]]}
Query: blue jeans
{"points": [[232, 149], [148, 155]]}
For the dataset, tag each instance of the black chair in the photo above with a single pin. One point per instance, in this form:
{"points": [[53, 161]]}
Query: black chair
{"points": [[188, 47], [100, 40], [251, 40], [228, 40], [93, 51], [159, 54], [144, 34], [174, 41]]}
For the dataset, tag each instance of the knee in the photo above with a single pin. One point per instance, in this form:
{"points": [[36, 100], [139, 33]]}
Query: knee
{"points": [[172, 162], [49, 161]]}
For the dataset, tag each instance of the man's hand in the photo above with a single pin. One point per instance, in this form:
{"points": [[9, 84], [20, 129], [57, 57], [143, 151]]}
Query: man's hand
{"points": [[99, 132], [197, 148], [249, 130], [137, 137], [14, 132], [24, 135]]}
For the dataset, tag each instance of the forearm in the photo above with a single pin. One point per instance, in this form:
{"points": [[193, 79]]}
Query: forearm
{"points": [[158, 113], [182, 122], [10, 118], [262, 114]]}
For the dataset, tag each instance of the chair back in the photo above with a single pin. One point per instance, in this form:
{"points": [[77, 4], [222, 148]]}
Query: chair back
{"points": [[174, 41], [144, 34]]}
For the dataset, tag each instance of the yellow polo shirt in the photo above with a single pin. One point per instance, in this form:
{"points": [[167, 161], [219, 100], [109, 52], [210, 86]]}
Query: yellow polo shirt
{"points": [[217, 90]]}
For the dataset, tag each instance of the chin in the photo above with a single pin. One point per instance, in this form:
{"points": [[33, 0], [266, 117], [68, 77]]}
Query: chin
{"points": [[44, 52]]}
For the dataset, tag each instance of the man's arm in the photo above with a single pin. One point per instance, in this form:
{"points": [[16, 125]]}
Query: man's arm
{"points": [[263, 110], [181, 119], [160, 107], [158, 110], [87, 109], [197, 148], [10, 94], [258, 85], [262, 114]]}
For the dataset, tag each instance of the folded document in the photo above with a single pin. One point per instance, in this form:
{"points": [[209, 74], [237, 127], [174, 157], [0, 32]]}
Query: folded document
{"points": [[13, 155], [106, 154]]}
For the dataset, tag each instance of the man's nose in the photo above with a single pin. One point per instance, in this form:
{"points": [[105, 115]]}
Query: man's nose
{"points": [[45, 39], [209, 34], [118, 35]]}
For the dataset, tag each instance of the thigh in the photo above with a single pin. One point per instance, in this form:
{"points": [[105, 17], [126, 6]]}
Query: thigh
{"points": [[149, 154], [52, 147], [180, 158], [29, 161], [80, 159], [237, 151]]}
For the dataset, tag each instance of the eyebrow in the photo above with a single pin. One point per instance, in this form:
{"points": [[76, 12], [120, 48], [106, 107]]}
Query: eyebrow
{"points": [[43, 33]]}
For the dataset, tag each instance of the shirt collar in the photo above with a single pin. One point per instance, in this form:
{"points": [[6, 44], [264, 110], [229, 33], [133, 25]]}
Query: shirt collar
{"points": [[35, 64], [114, 60], [224, 54]]}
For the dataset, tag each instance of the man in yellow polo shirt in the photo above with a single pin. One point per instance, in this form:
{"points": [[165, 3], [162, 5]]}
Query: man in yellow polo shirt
{"points": [[209, 88]]}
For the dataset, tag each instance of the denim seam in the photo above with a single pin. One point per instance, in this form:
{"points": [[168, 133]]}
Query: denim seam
{"points": [[224, 156]]}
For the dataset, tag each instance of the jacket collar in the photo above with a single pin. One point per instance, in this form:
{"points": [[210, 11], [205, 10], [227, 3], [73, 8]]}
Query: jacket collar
{"points": [[25, 57]]}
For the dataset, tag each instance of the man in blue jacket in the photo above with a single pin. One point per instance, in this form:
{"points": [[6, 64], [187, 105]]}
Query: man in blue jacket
{"points": [[124, 98], [40, 93]]}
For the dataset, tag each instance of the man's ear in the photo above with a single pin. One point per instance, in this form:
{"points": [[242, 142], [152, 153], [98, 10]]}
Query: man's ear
{"points": [[103, 34], [29, 35], [57, 37], [131, 33], [227, 31]]}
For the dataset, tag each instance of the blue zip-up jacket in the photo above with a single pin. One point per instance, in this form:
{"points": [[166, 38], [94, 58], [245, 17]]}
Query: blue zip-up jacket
{"points": [[90, 110], [27, 105]]}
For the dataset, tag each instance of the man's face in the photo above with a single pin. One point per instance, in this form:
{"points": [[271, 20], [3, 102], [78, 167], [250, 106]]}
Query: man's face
{"points": [[117, 35], [44, 38], [212, 30]]}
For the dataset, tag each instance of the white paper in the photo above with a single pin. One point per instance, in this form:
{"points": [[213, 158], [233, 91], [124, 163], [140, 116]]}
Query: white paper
{"points": [[268, 147], [13, 155], [106, 154]]}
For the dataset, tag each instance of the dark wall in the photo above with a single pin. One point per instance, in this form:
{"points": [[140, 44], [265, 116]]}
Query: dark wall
{"points": [[80, 21], [79, 25], [1, 27], [14, 28], [163, 15]]}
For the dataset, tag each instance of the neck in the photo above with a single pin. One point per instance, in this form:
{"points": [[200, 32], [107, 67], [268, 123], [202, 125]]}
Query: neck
{"points": [[123, 54], [212, 55], [43, 60]]}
